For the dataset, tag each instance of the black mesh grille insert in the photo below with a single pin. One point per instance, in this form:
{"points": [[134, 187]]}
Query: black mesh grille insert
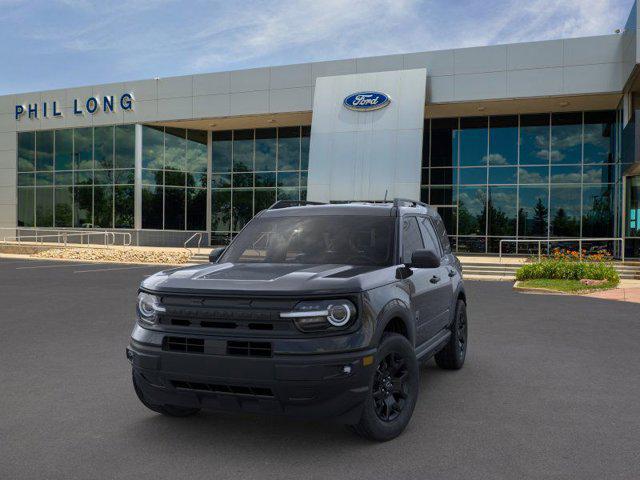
{"points": [[249, 349], [218, 388], [183, 344]]}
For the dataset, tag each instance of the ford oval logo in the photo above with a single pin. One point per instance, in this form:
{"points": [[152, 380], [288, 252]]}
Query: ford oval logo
{"points": [[366, 101]]}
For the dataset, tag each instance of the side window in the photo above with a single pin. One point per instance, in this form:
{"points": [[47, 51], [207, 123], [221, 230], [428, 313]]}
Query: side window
{"points": [[429, 235], [411, 238], [441, 232]]}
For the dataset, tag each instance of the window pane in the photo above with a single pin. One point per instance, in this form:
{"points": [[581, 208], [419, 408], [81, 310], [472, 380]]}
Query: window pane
{"points": [[444, 176], [175, 149], [288, 179], [566, 174], [64, 206], [44, 150], [152, 177], [152, 147], [26, 179], [84, 177], [152, 207], [197, 151], [221, 210], [26, 151], [534, 174], [566, 138], [265, 179], [103, 177], [221, 151], [503, 140], [503, 175], [599, 173], [125, 151], [597, 211], [534, 139], [501, 209], [124, 206], [288, 194], [221, 181], [174, 208], [174, 179], [44, 207], [197, 179], [44, 179], [103, 207], [264, 199], [443, 148], [288, 148], [598, 137], [304, 147], [471, 210], [473, 176], [103, 147], [124, 176], [265, 149], [196, 209], [26, 201], [82, 204], [242, 150], [83, 148], [564, 206], [442, 195], [64, 150], [242, 208], [533, 212], [473, 141], [242, 180], [449, 219]]}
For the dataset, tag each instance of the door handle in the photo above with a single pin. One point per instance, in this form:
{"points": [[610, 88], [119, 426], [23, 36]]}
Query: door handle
{"points": [[435, 279], [452, 273]]}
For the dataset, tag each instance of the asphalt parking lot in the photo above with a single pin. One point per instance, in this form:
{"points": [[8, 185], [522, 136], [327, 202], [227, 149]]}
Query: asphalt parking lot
{"points": [[551, 389]]}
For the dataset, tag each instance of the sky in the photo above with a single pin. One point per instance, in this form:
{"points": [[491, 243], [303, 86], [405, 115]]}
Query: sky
{"points": [[48, 44]]}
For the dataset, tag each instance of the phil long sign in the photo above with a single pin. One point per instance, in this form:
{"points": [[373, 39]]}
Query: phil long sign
{"points": [[91, 105]]}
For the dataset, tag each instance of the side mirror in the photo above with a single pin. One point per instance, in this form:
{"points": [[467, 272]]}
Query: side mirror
{"points": [[215, 254], [425, 259]]}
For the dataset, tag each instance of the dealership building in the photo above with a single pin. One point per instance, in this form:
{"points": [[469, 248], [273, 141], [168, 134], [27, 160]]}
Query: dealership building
{"points": [[519, 142]]}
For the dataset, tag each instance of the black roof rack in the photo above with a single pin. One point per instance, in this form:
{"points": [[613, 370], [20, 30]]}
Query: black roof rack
{"points": [[292, 203]]}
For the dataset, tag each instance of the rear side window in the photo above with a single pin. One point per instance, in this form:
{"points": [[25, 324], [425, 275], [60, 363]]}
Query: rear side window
{"points": [[429, 236], [411, 238], [441, 232]]}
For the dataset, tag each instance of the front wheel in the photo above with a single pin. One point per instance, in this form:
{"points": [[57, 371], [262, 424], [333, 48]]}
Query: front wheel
{"points": [[452, 356], [393, 390], [169, 410]]}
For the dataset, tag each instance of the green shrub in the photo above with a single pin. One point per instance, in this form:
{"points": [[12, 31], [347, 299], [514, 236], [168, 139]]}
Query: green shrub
{"points": [[568, 270]]}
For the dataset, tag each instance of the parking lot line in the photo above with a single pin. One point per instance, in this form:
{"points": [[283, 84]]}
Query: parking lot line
{"points": [[58, 265], [114, 268]]}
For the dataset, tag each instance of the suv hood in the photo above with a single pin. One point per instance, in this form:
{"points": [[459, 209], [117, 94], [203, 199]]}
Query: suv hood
{"points": [[269, 279]]}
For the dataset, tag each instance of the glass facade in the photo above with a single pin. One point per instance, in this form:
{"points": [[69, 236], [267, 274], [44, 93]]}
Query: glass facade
{"points": [[174, 179], [538, 176], [82, 177], [529, 176], [251, 169]]}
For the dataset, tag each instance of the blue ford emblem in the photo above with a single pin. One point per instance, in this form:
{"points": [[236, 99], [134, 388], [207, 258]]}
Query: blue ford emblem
{"points": [[365, 101]]}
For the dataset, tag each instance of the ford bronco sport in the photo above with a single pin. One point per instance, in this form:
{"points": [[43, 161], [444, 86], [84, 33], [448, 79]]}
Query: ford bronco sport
{"points": [[313, 310]]}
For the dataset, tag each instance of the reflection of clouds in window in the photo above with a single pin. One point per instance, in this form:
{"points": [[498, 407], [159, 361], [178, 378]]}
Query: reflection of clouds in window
{"points": [[566, 141], [573, 177], [528, 176], [557, 156], [473, 200], [494, 159]]}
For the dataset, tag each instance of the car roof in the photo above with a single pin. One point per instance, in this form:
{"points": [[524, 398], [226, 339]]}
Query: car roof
{"points": [[381, 209]]}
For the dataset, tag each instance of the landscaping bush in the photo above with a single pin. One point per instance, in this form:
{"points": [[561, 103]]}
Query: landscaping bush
{"points": [[568, 270]]}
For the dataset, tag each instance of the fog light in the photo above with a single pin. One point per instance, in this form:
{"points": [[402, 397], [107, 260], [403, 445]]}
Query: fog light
{"points": [[368, 360], [346, 369]]}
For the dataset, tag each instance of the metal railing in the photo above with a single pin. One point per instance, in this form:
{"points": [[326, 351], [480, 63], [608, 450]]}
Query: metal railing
{"points": [[197, 235], [549, 241], [83, 238]]}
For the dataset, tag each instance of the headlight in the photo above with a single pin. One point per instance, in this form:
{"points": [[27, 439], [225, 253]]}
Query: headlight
{"points": [[317, 316], [148, 308]]}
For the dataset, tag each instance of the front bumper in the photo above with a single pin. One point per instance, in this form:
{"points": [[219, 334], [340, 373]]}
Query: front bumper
{"points": [[306, 386]]}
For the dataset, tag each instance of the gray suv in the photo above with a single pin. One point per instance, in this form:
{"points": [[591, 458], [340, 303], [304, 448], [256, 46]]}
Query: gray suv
{"points": [[313, 311]]}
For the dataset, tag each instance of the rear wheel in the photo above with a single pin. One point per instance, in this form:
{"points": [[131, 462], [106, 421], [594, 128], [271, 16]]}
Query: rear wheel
{"points": [[393, 390], [452, 356], [169, 410]]}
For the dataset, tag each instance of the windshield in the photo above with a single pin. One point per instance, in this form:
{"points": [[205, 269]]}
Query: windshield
{"points": [[316, 240]]}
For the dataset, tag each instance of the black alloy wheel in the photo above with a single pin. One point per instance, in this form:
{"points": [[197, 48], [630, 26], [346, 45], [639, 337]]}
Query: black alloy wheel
{"points": [[390, 387]]}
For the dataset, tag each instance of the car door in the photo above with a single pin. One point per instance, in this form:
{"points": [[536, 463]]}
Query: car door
{"points": [[420, 282], [441, 295]]}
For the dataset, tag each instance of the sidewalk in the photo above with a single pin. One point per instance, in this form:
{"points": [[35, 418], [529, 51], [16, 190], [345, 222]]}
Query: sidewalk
{"points": [[627, 291]]}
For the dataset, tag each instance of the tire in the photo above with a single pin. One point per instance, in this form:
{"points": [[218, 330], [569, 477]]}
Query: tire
{"points": [[168, 410], [452, 356], [393, 390]]}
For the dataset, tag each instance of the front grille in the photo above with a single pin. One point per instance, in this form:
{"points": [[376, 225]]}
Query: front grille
{"points": [[219, 388], [249, 349], [183, 344]]}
